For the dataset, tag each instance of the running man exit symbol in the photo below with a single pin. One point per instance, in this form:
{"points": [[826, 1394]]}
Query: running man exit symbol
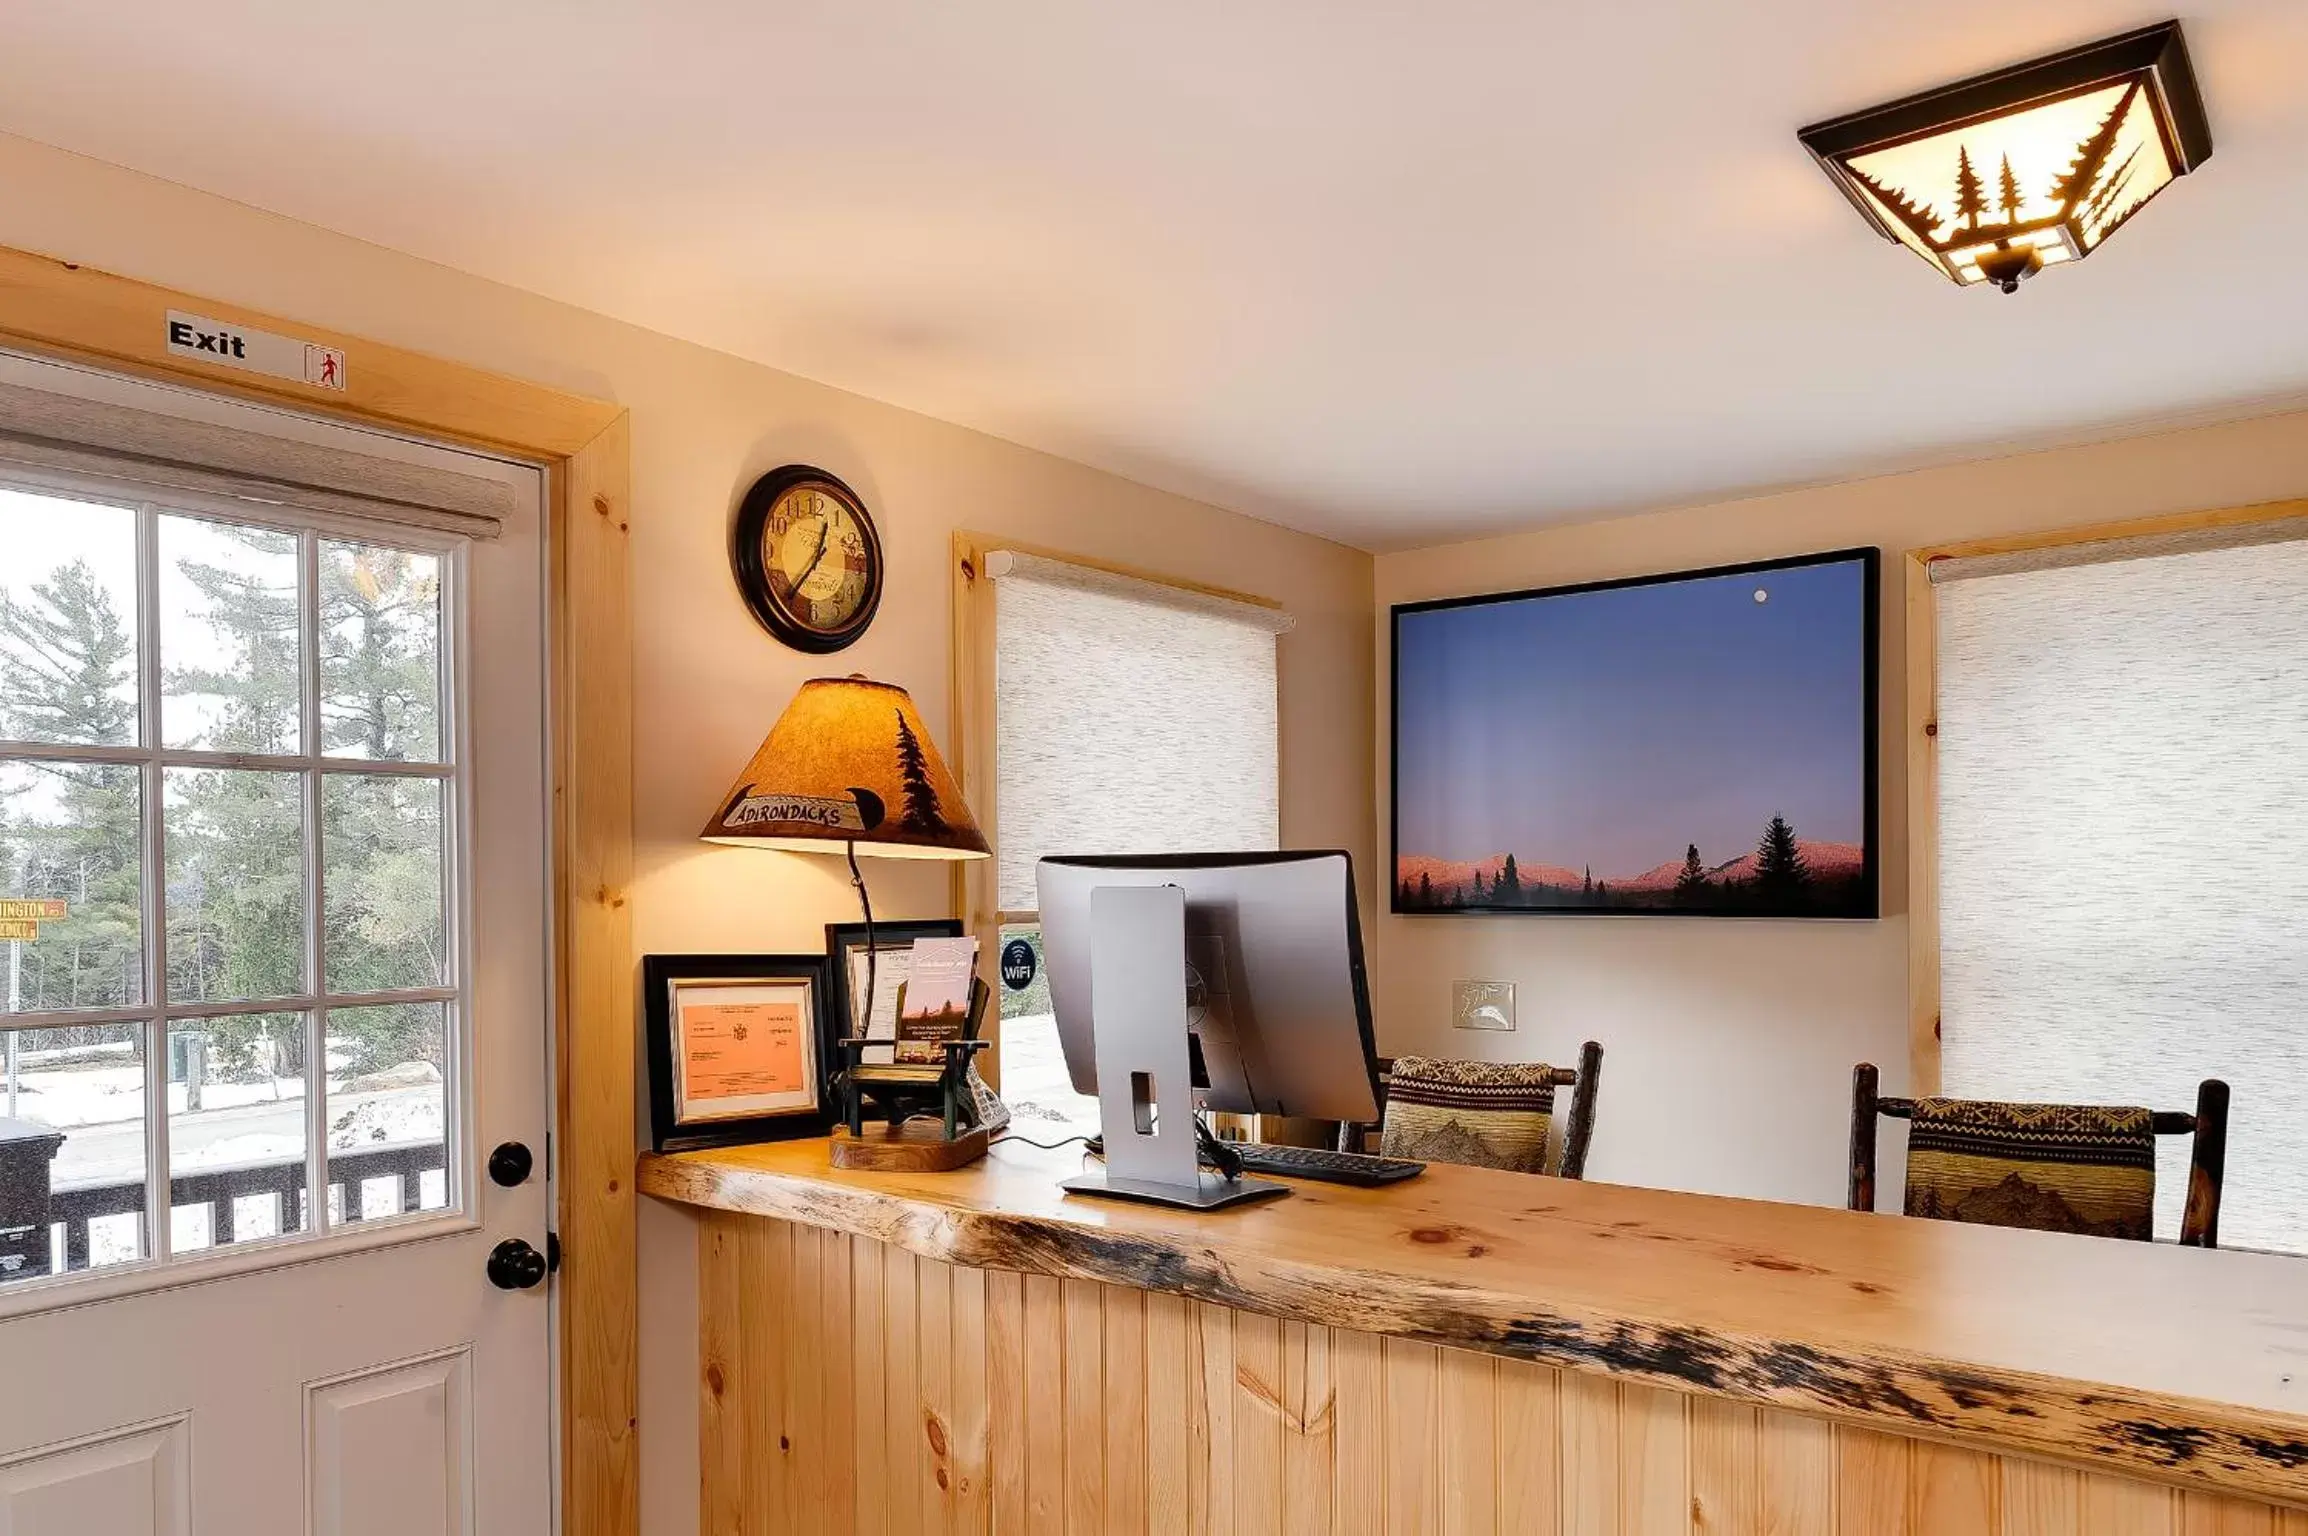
{"points": [[324, 366]]}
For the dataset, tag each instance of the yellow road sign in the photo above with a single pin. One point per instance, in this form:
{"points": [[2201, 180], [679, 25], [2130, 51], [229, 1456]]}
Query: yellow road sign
{"points": [[45, 909], [19, 928]]}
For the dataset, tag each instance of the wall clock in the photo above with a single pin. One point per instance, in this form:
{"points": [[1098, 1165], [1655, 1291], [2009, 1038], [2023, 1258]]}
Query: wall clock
{"points": [[807, 558]]}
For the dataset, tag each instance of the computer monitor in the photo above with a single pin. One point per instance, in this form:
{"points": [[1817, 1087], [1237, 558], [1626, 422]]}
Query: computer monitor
{"points": [[1278, 1003]]}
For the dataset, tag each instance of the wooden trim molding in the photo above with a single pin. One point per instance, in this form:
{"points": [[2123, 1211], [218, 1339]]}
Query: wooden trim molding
{"points": [[65, 309], [986, 542], [970, 748], [600, 1278], [2004, 1342], [1922, 712], [69, 311], [1922, 829]]}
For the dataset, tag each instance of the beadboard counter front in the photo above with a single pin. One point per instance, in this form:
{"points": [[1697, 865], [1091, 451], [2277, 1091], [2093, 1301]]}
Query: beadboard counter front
{"points": [[1706, 1345]]}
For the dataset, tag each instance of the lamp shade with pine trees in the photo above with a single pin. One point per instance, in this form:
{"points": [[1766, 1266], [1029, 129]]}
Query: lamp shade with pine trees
{"points": [[849, 763], [1997, 177]]}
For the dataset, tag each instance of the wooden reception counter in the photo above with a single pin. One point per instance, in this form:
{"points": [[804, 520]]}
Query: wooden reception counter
{"points": [[1469, 1351]]}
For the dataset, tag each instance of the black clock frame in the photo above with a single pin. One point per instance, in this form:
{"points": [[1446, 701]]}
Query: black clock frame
{"points": [[752, 570]]}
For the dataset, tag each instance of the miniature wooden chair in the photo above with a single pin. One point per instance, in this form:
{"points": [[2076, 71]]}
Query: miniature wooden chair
{"points": [[902, 1090], [2086, 1168], [1486, 1114]]}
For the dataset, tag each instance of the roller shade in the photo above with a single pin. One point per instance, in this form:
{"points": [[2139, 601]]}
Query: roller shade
{"points": [[2123, 843], [55, 431], [1130, 717]]}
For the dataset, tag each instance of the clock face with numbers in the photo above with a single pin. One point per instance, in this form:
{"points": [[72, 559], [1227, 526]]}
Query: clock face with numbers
{"points": [[807, 558]]}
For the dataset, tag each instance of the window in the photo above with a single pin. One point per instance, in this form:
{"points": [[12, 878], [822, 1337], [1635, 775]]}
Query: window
{"points": [[2123, 843], [1130, 716], [229, 792]]}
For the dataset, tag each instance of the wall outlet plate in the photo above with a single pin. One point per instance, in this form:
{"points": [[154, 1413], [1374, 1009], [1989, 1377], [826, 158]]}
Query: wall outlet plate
{"points": [[1483, 1005]]}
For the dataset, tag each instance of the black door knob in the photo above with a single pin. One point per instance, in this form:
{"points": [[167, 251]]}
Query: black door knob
{"points": [[515, 1266], [509, 1165]]}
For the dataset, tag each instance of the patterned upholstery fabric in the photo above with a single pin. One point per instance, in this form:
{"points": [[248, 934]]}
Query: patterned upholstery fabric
{"points": [[1490, 1114], [2048, 1167]]}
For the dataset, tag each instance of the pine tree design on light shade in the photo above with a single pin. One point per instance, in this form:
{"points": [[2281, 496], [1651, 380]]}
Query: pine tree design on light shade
{"points": [[1970, 196], [922, 812], [2090, 157], [2008, 194], [1920, 218]]}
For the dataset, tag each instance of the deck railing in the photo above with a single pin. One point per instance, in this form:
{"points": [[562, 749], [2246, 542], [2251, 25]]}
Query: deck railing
{"points": [[73, 1208]]}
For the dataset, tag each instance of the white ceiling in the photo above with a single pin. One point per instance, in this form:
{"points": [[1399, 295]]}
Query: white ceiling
{"points": [[1390, 273]]}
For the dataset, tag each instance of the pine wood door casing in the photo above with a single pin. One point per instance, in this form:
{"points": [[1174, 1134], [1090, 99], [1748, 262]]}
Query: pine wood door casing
{"points": [[1062, 1407]]}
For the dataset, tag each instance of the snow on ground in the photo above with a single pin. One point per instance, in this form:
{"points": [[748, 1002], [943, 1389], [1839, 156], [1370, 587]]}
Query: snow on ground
{"points": [[1035, 1083]]}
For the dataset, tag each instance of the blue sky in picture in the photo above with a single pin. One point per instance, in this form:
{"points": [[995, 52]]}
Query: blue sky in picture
{"points": [[1610, 729]]}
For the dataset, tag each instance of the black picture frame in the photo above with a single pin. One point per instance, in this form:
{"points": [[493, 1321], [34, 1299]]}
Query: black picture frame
{"points": [[842, 938], [659, 975], [1870, 903]]}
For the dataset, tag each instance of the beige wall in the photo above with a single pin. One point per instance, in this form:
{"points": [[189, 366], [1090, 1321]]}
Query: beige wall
{"points": [[1729, 1043], [707, 681]]}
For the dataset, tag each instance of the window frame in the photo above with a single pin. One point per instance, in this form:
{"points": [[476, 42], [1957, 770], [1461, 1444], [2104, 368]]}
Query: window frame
{"points": [[1922, 729], [160, 1266]]}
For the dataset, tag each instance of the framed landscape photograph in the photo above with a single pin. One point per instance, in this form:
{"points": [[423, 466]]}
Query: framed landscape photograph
{"points": [[740, 1049], [1701, 744]]}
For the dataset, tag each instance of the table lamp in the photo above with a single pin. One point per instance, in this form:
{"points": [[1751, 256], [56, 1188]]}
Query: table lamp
{"points": [[849, 768]]}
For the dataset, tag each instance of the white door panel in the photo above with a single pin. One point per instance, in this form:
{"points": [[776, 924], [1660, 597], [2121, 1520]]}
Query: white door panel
{"points": [[130, 1482], [389, 1451]]}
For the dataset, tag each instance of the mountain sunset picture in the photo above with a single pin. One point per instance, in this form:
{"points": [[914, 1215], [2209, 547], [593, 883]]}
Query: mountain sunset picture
{"points": [[1700, 744]]}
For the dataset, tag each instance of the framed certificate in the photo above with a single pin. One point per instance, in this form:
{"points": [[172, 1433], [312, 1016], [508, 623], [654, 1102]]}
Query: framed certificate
{"points": [[739, 1049]]}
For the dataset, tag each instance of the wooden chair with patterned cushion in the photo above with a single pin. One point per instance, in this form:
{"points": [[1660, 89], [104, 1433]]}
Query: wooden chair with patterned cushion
{"points": [[1486, 1113], [2088, 1168]]}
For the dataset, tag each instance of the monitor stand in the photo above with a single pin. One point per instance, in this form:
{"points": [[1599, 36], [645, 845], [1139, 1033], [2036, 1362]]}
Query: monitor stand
{"points": [[1138, 1033]]}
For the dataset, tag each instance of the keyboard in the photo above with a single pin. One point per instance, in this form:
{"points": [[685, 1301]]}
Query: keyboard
{"points": [[1322, 1163]]}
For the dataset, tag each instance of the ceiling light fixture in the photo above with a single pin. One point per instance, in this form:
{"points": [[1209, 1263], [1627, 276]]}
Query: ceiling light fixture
{"points": [[1997, 177]]}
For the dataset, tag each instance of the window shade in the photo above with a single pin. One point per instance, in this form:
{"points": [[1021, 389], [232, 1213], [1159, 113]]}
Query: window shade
{"points": [[1130, 717], [2123, 847], [59, 431]]}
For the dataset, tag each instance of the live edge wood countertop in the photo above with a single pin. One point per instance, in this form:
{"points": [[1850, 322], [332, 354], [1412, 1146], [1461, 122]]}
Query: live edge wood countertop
{"points": [[2177, 1364]]}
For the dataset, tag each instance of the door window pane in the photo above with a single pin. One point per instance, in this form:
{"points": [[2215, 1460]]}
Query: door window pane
{"points": [[236, 893], [252, 627], [67, 620], [69, 835], [236, 1128], [229, 637], [72, 1181], [380, 653], [381, 842], [388, 1110]]}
